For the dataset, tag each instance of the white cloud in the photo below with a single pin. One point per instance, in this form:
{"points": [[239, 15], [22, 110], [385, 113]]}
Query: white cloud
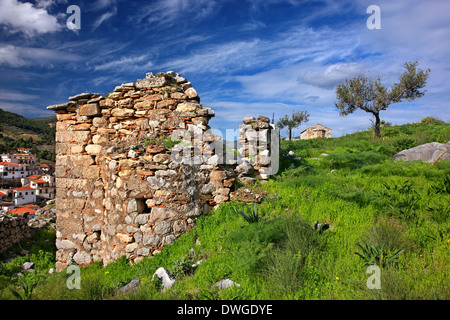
{"points": [[104, 17], [283, 50], [45, 4], [410, 31], [163, 14], [128, 64], [16, 96], [253, 25], [24, 17], [16, 57], [329, 76], [219, 58], [9, 55]]}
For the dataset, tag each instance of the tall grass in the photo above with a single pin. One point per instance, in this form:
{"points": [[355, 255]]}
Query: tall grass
{"points": [[356, 189]]}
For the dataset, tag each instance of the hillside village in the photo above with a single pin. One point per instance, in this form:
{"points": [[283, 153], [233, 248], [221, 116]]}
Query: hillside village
{"points": [[24, 183]]}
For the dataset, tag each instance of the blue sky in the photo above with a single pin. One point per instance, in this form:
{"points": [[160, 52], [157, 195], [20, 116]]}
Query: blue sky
{"points": [[244, 58]]}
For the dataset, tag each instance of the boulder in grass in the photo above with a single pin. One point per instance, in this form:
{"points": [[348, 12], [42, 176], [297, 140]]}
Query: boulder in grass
{"points": [[132, 286], [428, 152], [27, 266], [166, 279]]}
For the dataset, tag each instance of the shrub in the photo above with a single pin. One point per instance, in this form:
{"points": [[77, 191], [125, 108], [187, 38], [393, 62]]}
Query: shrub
{"points": [[263, 231], [431, 120], [404, 143], [389, 234], [286, 266], [249, 214], [284, 271], [384, 243], [182, 267], [373, 254], [442, 187]]}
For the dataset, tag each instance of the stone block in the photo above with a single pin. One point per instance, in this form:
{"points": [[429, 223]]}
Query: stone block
{"points": [[65, 245], [61, 148], [82, 258], [65, 116], [149, 239], [178, 95], [146, 104], [74, 149], [106, 103], [89, 110], [91, 172], [99, 122], [162, 158], [154, 97], [154, 82], [80, 137], [218, 175], [131, 247], [162, 227], [122, 112], [160, 214], [143, 251], [191, 93], [93, 149], [179, 227], [141, 219], [188, 107]]}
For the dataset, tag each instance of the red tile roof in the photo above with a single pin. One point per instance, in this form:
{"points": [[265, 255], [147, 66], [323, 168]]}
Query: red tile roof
{"points": [[34, 177], [10, 164], [30, 205], [23, 189], [24, 155], [39, 181], [22, 210]]}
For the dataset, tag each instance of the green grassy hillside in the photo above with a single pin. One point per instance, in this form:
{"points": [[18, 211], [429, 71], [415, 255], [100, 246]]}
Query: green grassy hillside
{"points": [[336, 206], [36, 134]]}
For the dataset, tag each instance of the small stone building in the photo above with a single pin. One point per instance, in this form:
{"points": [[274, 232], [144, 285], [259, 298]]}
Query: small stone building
{"points": [[316, 131]]}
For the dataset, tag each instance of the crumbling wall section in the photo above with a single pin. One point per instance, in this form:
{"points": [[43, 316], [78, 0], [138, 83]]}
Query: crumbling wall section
{"points": [[12, 230], [124, 185]]}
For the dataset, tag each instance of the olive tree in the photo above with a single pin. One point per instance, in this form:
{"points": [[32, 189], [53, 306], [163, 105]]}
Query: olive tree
{"points": [[372, 96], [293, 121]]}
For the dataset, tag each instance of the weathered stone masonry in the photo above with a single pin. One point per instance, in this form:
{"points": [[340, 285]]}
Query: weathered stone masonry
{"points": [[12, 230], [118, 190]]}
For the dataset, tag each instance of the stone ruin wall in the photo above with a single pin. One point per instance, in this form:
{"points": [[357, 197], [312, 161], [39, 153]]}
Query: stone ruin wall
{"points": [[12, 230], [119, 191]]}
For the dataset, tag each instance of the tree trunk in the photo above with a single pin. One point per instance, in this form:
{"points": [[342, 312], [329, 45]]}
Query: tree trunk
{"points": [[290, 134], [376, 129]]}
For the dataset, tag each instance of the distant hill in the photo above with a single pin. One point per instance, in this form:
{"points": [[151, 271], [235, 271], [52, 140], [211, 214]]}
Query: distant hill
{"points": [[36, 134]]}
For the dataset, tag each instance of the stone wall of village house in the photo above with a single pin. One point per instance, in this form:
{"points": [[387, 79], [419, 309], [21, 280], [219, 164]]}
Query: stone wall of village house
{"points": [[316, 131], [119, 190]]}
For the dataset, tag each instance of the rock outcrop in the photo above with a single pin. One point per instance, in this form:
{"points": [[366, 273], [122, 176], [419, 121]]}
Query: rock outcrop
{"points": [[428, 152]]}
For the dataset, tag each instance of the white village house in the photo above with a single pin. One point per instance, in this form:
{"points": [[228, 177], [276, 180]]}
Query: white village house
{"points": [[24, 195], [43, 184], [17, 165]]}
